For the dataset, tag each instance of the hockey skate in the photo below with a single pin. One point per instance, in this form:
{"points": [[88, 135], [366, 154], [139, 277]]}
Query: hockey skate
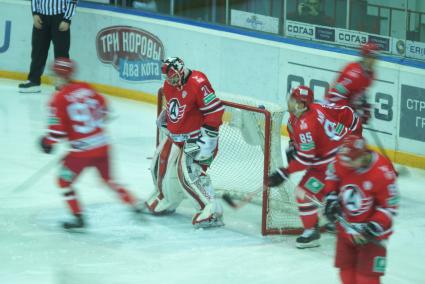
{"points": [[152, 209], [309, 238], [214, 220], [74, 225]]}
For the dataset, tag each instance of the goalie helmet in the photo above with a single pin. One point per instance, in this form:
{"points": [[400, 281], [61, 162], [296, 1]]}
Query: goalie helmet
{"points": [[174, 70], [369, 49], [303, 94], [64, 67], [352, 148]]}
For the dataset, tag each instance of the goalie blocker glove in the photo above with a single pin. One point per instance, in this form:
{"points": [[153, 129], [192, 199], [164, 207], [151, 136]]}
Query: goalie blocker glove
{"points": [[207, 142], [45, 146], [278, 177], [332, 208]]}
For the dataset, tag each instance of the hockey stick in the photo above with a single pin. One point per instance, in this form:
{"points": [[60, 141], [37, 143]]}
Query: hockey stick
{"points": [[401, 170], [37, 175], [344, 222]]}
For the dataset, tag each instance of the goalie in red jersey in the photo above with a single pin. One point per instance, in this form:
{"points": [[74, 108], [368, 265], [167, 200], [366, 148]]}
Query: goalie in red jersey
{"points": [[353, 81], [362, 190], [191, 120], [315, 131], [77, 113]]}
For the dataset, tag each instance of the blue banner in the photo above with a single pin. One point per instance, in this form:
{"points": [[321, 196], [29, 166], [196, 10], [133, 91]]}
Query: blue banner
{"points": [[6, 41], [140, 70]]}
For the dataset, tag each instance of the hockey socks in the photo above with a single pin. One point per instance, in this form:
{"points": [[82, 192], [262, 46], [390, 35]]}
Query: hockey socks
{"points": [[72, 201]]}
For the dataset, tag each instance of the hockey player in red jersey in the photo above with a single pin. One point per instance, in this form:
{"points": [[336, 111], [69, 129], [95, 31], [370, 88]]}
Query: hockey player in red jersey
{"points": [[353, 81], [315, 131], [77, 113], [192, 118], [362, 189]]}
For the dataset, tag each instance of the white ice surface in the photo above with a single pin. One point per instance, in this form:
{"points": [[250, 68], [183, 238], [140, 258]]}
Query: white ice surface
{"points": [[118, 247]]}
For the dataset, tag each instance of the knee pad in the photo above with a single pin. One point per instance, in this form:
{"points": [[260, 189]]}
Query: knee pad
{"points": [[196, 184], [168, 194]]}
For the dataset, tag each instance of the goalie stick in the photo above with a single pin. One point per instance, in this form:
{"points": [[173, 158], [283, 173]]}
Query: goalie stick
{"points": [[247, 199]]}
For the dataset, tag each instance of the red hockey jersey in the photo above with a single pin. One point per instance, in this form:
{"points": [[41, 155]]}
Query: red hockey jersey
{"points": [[77, 112], [350, 85], [318, 133], [366, 194], [192, 105]]}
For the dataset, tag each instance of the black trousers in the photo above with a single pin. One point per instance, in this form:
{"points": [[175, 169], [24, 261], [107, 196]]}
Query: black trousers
{"points": [[41, 42]]}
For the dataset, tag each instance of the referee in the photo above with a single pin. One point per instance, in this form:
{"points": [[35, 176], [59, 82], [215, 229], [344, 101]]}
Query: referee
{"points": [[52, 19]]}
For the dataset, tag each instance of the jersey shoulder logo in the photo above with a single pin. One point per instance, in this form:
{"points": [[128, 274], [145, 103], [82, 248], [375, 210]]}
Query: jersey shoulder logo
{"points": [[198, 78], [175, 111]]}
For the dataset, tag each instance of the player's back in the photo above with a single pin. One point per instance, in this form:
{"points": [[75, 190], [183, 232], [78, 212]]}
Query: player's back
{"points": [[331, 124], [351, 83], [81, 111]]}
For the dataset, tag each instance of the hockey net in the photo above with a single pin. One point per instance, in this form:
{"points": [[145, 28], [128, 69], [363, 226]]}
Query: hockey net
{"points": [[249, 150]]}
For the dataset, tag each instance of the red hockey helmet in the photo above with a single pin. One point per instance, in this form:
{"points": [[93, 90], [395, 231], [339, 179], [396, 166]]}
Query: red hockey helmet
{"points": [[64, 67], [369, 49], [303, 94], [353, 147], [173, 68]]}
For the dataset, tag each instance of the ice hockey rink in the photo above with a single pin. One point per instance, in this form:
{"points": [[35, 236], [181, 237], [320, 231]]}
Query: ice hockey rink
{"points": [[120, 247]]}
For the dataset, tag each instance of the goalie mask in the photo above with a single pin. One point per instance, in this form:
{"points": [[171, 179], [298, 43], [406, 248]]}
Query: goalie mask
{"points": [[174, 70]]}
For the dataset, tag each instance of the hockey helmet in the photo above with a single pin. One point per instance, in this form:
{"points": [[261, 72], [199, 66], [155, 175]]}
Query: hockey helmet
{"points": [[369, 49], [64, 67], [303, 94], [174, 70], [352, 148]]}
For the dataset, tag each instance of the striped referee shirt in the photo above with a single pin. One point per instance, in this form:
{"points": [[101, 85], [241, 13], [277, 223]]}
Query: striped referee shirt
{"points": [[54, 7]]}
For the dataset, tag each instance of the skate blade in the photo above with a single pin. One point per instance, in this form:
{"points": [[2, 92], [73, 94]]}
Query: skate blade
{"points": [[208, 225], [311, 244], [74, 230]]}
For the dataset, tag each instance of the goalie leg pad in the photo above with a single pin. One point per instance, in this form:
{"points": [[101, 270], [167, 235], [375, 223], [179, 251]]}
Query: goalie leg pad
{"points": [[168, 194], [197, 186]]}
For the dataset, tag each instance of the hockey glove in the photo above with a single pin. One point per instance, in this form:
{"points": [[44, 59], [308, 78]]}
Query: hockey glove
{"points": [[368, 233], [332, 208], [278, 177], [45, 146], [372, 230], [363, 109], [290, 151], [207, 143]]}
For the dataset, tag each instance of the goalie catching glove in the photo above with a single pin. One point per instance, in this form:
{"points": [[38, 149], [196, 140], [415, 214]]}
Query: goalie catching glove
{"points": [[278, 177]]}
